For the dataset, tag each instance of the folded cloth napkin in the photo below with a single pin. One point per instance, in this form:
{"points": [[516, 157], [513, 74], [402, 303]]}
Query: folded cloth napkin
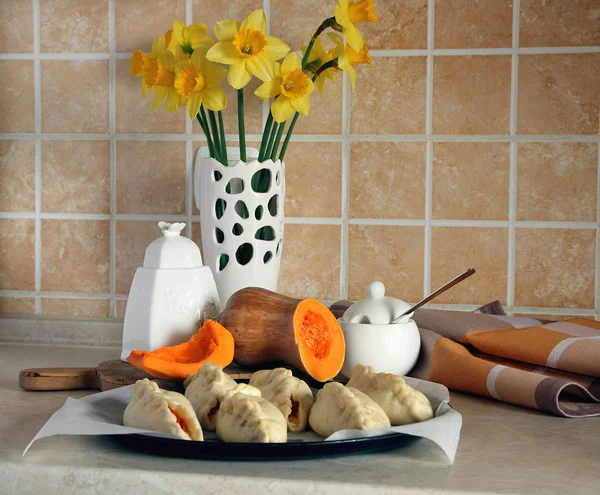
{"points": [[550, 366]]}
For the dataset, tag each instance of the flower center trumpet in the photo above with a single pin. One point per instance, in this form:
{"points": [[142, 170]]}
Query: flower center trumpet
{"points": [[249, 41], [295, 84], [189, 80]]}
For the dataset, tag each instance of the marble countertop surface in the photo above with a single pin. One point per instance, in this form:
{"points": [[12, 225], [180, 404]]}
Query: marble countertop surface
{"points": [[503, 449]]}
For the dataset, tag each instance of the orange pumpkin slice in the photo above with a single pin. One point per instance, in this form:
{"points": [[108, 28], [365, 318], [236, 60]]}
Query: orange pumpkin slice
{"points": [[213, 343]]}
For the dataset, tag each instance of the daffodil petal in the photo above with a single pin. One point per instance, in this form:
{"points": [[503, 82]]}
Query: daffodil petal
{"points": [[290, 62], [214, 74], [193, 105], [214, 98], [301, 105], [145, 89], [320, 82], [198, 60], [225, 30], [225, 53], [256, 20], [167, 59], [196, 30], [311, 86], [282, 109], [261, 66], [275, 48], [172, 101], [238, 75], [160, 92], [336, 38], [269, 89], [354, 38]]}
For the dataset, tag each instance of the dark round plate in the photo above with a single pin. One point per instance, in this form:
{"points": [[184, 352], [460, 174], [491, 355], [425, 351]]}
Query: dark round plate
{"points": [[211, 449]]}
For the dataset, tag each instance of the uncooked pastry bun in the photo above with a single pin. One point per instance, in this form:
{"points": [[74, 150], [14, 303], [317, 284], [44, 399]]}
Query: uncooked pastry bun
{"points": [[344, 408], [244, 418], [292, 396], [402, 403], [160, 410]]}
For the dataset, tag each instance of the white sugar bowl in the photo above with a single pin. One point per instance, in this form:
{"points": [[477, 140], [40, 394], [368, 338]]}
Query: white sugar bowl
{"points": [[370, 338], [169, 295]]}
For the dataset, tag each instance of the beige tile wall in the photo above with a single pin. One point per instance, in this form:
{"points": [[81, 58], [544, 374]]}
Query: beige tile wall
{"points": [[471, 141]]}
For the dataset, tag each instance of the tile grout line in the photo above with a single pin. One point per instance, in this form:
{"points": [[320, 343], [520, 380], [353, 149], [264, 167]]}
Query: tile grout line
{"points": [[440, 52], [38, 156], [112, 86], [189, 149], [18, 294], [519, 224], [332, 138], [512, 205], [344, 237], [428, 150], [597, 278]]}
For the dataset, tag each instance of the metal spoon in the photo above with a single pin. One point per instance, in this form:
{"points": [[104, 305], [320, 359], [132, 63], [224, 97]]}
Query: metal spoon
{"points": [[433, 295]]}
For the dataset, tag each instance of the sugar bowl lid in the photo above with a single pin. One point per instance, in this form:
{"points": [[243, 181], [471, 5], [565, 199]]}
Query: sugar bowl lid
{"points": [[378, 309], [172, 250]]}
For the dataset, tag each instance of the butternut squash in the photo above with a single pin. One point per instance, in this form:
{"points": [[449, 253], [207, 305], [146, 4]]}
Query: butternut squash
{"points": [[211, 344], [269, 327]]}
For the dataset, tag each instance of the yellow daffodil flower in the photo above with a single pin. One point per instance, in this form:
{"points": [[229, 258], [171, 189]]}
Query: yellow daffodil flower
{"points": [[190, 38], [317, 58], [348, 13], [139, 62], [348, 57], [247, 49], [292, 88], [162, 75], [198, 81]]}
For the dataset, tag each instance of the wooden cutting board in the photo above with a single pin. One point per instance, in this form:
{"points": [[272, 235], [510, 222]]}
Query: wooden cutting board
{"points": [[107, 375]]}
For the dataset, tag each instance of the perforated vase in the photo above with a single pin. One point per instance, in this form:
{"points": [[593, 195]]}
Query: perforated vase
{"points": [[234, 228]]}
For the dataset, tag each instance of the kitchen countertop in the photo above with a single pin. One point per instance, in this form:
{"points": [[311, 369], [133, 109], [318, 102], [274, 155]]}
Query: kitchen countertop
{"points": [[503, 449]]}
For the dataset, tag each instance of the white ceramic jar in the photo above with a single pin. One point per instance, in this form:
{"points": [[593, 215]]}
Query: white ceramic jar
{"points": [[372, 341], [169, 295]]}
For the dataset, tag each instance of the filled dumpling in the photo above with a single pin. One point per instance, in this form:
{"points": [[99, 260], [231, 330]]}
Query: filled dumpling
{"points": [[287, 393], [402, 403], [246, 418], [160, 410], [341, 408], [206, 391]]}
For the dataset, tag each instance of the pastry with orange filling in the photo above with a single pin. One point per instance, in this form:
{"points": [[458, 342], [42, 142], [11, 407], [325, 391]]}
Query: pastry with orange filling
{"points": [[163, 411]]}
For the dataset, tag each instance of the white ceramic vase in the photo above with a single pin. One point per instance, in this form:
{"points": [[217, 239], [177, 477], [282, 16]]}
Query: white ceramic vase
{"points": [[245, 212]]}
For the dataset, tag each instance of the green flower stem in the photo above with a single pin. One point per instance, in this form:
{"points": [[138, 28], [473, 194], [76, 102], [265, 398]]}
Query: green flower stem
{"points": [[241, 126], [265, 137], [325, 66], [207, 134], [222, 134], [288, 136], [215, 136], [271, 140], [215, 131], [277, 140], [327, 23]]}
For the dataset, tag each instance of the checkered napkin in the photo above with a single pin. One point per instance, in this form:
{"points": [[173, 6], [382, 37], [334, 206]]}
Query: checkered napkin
{"points": [[550, 366]]}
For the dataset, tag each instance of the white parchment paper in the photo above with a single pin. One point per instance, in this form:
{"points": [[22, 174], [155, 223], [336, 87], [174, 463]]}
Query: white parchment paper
{"points": [[102, 414]]}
